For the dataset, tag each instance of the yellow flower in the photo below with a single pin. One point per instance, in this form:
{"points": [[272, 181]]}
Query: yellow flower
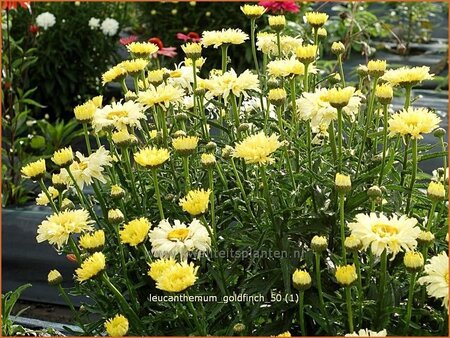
{"points": [[97, 101], [117, 191], [223, 37], [353, 243], [54, 277], [91, 267], [413, 122], [117, 326], [185, 145], [436, 277], [34, 170], [192, 50], [277, 96], [164, 95], [306, 54], [196, 202], [57, 228], [413, 261], [284, 334], [342, 183], [208, 160], [277, 22], [267, 43], [346, 274], [160, 266], [42, 198], [257, 149], [339, 97], [405, 76], [316, 19], [134, 67], [135, 232], [177, 278], [436, 191], [381, 233], [384, 93], [92, 241], [337, 48], [123, 138], [156, 77], [142, 49], [319, 243], [85, 112], [425, 238], [118, 115], [322, 32], [253, 11], [286, 67], [376, 68], [151, 157], [115, 74], [63, 157], [301, 279], [230, 82]]}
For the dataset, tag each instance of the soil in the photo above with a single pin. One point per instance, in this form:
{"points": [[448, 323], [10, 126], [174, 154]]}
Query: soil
{"points": [[47, 312]]}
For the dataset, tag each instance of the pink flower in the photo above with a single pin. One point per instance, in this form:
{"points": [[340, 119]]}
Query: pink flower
{"points": [[275, 6], [191, 36], [33, 29], [127, 40], [166, 51]]}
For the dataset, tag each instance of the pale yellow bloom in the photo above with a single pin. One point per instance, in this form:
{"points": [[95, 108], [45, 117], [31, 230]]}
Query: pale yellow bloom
{"points": [[135, 66], [346, 274], [42, 198], [118, 115], [185, 144], [376, 68], [177, 278], [287, 67], [306, 54], [115, 74], [342, 183], [160, 266], [92, 241], [85, 112], [54, 277], [196, 202], [142, 49], [301, 279], [223, 37], [63, 157], [253, 11], [230, 83], [151, 157], [436, 277], [436, 191], [117, 326], [339, 97], [34, 170], [413, 122], [405, 76], [135, 232], [267, 43], [367, 333], [257, 149], [384, 93], [277, 22], [163, 95], [91, 267], [316, 19], [193, 50], [57, 228], [413, 261], [277, 96]]}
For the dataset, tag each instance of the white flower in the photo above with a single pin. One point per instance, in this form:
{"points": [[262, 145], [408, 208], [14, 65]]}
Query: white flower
{"points": [[179, 239], [87, 168], [230, 82], [437, 277], [94, 23], [118, 115], [45, 20], [367, 333], [110, 27], [381, 233]]}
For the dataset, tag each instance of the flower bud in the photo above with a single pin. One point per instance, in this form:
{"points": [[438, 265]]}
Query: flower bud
{"points": [[376, 68], [67, 204], [226, 152], [277, 96], [117, 192], [425, 238], [273, 83], [208, 160], [319, 243], [115, 216], [180, 117], [413, 261], [243, 127], [277, 22], [440, 132], [238, 328], [374, 191], [301, 280], [352, 243], [362, 71], [343, 183], [179, 133], [436, 191], [211, 146], [346, 275], [54, 277], [337, 48]]}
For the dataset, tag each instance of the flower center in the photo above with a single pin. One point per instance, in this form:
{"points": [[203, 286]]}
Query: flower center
{"points": [[117, 114], [82, 165], [384, 230], [446, 277], [178, 234]]}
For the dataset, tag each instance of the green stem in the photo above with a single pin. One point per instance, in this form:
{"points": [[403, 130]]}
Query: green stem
{"points": [[360, 290], [410, 302], [158, 194], [342, 226], [301, 310], [348, 299], [405, 161], [224, 57], [319, 284], [75, 250], [333, 143], [407, 97], [385, 130], [310, 168], [413, 175], [431, 215], [72, 308], [86, 138], [279, 44], [383, 271], [341, 72], [241, 188], [340, 136], [123, 303], [47, 193], [200, 328], [187, 183], [211, 199]]}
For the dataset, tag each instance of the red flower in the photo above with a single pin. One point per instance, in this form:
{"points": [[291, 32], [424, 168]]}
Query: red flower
{"points": [[127, 40], [275, 6], [33, 29], [71, 257], [10, 4], [191, 36], [166, 51]]}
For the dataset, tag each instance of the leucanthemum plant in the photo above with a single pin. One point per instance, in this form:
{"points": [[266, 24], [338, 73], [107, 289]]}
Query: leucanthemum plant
{"points": [[298, 207]]}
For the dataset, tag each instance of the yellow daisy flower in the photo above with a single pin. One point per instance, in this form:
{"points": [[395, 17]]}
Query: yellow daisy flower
{"points": [[91, 267], [151, 157], [316, 19], [413, 122], [117, 326], [196, 202], [34, 170], [405, 76], [135, 232], [257, 149]]}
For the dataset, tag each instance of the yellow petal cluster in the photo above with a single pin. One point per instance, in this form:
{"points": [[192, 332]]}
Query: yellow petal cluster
{"points": [[34, 170], [171, 276], [151, 157], [413, 122], [92, 241], [185, 144], [196, 202], [405, 76], [91, 267], [142, 49], [346, 274], [115, 74], [230, 36], [63, 157], [135, 66], [301, 279], [117, 326], [135, 232], [306, 54], [339, 97], [316, 19], [253, 11], [257, 149]]}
